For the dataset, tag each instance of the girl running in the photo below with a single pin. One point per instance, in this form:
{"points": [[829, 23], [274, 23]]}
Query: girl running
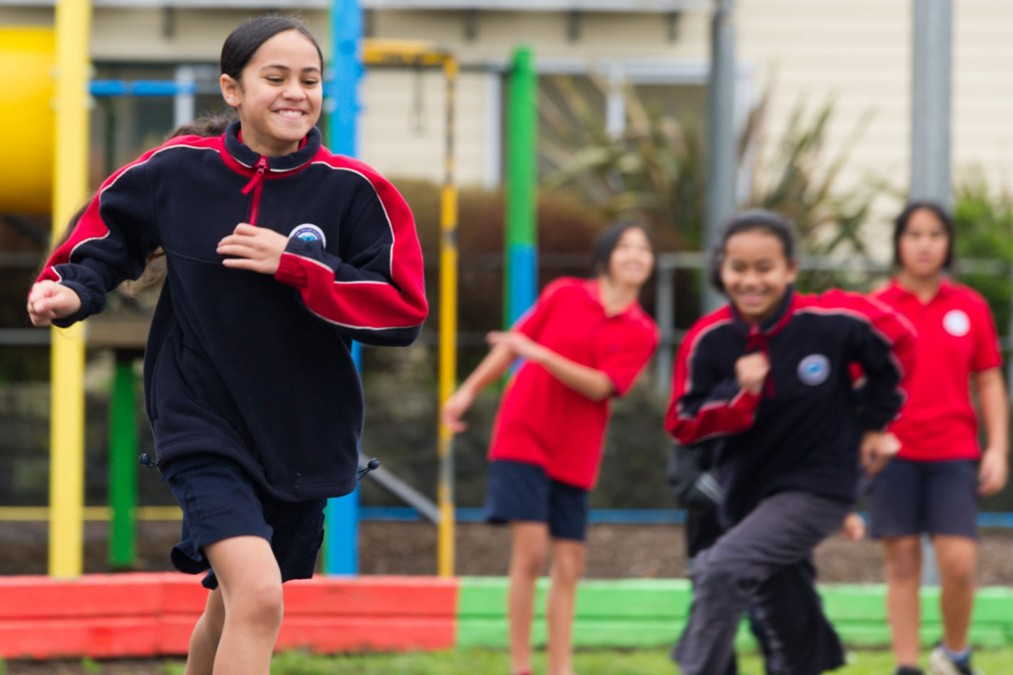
{"points": [[768, 373], [278, 255]]}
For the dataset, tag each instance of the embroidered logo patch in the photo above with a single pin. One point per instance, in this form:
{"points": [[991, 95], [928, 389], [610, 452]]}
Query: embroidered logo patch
{"points": [[814, 369], [308, 232], [956, 323]]}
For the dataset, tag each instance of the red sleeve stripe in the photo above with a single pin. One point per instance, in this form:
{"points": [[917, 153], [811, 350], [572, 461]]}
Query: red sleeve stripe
{"points": [[368, 304], [687, 381], [90, 226]]}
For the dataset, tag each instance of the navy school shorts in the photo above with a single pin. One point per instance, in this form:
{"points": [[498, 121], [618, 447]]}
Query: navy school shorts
{"points": [[220, 500], [518, 491], [910, 498]]}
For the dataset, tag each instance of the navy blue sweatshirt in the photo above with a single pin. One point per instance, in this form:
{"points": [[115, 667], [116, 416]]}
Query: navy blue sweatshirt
{"points": [[802, 431], [239, 363]]}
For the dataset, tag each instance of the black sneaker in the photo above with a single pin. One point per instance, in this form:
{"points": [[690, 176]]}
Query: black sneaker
{"points": [[908, 670]]}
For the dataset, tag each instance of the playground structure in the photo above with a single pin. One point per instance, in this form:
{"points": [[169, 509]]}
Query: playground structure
{"points": [[65, 50]]}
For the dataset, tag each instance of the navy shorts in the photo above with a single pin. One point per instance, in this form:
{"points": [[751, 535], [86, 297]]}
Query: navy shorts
{"points": [[910, 498], [220, 500], [518, 491]]}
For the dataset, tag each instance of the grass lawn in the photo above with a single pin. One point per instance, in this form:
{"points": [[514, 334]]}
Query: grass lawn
{"points": [[603, 662]]}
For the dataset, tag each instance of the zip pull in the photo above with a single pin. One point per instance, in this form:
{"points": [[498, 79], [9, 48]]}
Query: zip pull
{"points": [[258, 177]]}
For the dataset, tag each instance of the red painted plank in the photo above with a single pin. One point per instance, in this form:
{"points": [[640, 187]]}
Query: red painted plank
{"points": [[142, 615], [372, 596], [109, 637], [92, 595], [359, 634]]}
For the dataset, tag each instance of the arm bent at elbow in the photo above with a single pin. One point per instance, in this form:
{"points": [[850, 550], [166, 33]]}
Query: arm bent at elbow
{"points": [[590, 382]]}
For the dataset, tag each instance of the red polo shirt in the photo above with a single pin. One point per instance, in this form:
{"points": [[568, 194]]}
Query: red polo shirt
{"points": [[542, 421], [956, 337]]}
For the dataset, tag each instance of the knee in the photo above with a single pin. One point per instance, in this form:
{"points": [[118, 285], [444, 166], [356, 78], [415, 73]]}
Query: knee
{"points": [[529, 563], [261, 605], [568, 566], [716, 574], [960, 574], [903, 561]]}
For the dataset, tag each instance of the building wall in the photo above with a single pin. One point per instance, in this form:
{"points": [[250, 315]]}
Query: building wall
{"points": [[856, 52]]}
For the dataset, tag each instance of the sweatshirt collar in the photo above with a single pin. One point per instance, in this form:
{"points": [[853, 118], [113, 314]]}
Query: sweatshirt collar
{"points": [[248, 158], [773, 324]]}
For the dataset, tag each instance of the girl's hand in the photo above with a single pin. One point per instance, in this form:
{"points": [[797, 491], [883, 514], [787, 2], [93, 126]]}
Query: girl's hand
{"points": [[50, 300], [876, 449], [518, 343], [853, 528], [751, 370], [252, 248], [993, 472], [454, 409]]}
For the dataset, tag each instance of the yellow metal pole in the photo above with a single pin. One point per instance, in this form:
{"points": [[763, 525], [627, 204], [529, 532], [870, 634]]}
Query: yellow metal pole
{"points": [[70, 186], [448, 332]]}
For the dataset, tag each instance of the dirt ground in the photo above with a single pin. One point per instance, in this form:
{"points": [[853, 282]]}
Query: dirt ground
{"points": [[614, 551]]}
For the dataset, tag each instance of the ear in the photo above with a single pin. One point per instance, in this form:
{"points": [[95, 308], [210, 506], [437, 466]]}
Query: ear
{"points": [[230, 90], [792, 270]]}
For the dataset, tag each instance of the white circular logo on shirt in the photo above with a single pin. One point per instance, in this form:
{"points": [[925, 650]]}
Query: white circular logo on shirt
{"points": [[956, 323], [308, 232], [814, 369]]}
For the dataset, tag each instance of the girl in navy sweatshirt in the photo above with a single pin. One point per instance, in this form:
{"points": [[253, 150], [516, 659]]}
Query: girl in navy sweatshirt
{"points": [[769, 374], [279, 254]]}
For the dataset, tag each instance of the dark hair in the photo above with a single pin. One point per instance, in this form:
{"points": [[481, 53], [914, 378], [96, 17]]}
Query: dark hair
{"points": [[606, 243], [939, 211], [209, 124], [244, 41], [748, 221]]}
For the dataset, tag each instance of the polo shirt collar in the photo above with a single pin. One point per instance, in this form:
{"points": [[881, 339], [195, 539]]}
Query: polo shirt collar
{"points": [[593, 288], [946, 287]]}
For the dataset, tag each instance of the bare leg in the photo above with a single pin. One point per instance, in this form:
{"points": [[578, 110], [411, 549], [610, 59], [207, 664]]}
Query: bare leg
{"points": [[530, 543], [902, 557], [957, 558], [567, 567], [251, 592], [206, 634]]}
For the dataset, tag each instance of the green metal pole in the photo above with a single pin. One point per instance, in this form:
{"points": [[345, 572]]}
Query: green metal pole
{"points": [[520, 283], [122, 465]]}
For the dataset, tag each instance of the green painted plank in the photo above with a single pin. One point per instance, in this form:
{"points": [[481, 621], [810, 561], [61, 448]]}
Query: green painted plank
{"points": [[492, 633], [646, 612]]}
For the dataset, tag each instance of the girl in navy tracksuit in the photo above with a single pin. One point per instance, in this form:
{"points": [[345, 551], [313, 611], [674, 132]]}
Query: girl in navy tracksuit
{"points": [[769, 374], [279, 254]]}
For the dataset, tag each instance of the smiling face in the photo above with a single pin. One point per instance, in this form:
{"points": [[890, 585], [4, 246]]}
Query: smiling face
{"points": [[923, 245], [632, 259], [278, 95], [756, 273]]}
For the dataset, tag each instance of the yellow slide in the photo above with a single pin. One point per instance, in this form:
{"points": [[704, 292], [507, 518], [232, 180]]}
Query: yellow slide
{"points": [[27, 119]]}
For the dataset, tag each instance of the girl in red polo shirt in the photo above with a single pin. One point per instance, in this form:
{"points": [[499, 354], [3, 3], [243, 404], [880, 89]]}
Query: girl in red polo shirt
{"points": [[583, 342], [934, 483]]}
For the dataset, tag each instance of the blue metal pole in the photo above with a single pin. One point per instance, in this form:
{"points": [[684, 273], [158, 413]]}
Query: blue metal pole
{"points": [[341, 545]]}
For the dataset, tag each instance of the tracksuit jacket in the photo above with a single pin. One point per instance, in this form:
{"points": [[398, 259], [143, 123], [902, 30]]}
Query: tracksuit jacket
{"points": [[802, 431], [239, 363]]}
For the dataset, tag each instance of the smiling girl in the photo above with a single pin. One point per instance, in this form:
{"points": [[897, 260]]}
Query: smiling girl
{"points": [[278, 254], [582, 343], [768, 374]]}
